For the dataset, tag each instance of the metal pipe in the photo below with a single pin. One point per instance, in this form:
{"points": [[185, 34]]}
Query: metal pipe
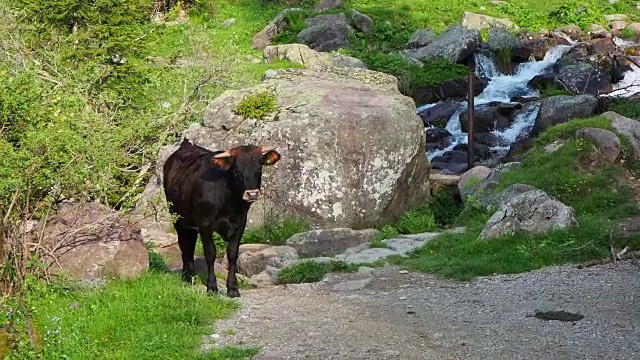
{"points": [[470, 120]]}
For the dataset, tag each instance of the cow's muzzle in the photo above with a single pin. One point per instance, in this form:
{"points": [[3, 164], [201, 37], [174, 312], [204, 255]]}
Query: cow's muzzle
{"points": [[251, 195]]}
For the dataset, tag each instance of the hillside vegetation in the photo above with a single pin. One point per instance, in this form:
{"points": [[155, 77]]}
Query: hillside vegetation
{"points": [[89, 91]]}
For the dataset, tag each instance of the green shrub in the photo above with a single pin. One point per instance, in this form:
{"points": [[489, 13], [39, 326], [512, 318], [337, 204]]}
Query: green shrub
{"points": [[581, 13], [256, 106]]}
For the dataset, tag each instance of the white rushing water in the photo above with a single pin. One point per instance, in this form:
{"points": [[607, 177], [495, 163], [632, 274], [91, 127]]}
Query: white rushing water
{"points": [[502, 88], [630, 84]]}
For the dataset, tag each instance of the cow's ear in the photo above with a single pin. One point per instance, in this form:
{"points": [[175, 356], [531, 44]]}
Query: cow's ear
{"points": [[270, 157], [222, 160]]}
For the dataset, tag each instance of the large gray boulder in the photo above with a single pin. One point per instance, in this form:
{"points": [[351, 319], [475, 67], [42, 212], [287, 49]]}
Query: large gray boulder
{"points": [[353, 149], [627, 127], [329, 242], [326, 32], [456, 44], [531, 212], [562, 108]]}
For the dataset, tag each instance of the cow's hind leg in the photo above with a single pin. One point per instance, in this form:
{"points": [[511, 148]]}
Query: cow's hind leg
{"points": [[206, 233], [187, 238]]}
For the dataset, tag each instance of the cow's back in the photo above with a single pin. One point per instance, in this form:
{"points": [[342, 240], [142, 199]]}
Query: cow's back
{"points": [[182, 177]]}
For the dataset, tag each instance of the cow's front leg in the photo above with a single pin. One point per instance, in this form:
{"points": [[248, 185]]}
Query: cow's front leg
{"points": [[233, 246], [210, 257]]}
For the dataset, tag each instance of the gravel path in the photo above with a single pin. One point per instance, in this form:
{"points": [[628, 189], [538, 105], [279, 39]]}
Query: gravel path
{"points": [[390, 314]]}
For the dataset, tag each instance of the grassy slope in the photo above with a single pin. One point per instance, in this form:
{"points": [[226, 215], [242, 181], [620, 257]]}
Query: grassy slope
{"points": [[600, 194]]}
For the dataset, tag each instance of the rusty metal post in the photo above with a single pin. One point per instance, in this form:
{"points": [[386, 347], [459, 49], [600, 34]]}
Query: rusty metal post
{"points": [[470, 120]]}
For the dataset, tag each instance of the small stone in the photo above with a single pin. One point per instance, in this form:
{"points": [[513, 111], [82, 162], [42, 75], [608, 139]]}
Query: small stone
{"points": [[402, 298], [215, 336], [228, 22], [351, 285], [403, 272]]}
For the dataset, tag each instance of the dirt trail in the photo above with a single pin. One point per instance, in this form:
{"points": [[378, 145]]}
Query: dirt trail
{"points": [[389, 314]]}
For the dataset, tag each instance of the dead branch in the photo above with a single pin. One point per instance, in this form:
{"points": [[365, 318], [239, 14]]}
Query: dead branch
{"points": [[143, 171], [625, 256], [47, 77]]}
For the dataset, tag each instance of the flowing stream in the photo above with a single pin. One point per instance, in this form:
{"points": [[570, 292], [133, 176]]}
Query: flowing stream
{"points": [[502, 88]]}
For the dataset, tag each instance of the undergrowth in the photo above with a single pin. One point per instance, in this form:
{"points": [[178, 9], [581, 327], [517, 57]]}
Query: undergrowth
{"points": [[581, 179], [155, 316]]}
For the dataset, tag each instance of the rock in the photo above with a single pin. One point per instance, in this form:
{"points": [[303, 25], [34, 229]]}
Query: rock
{"points": [[271, 30], [573, 31], [602, 46], [361, 22], [450, 168], [437, 138], [584, 78], [440, 113], [484, 190], [614, 17], [92, 243], [368, 256], [553, 147], [518, 148], [493, 201], [487, 118], [351, 285], [481, 152], [470, 178], [607, 143], [456, 44], [347, 61], [480, 21], [457, 88], [255, 258], [326, 32], [228, 23], [274, 355], [617, 25], [501, 40], [533, 212], [329, 242], [302, 54], [627, 127], [324, 5], [404, 245], [539, 44], [559, 109], [634, 27], [157, 237], [597, 29], [267, 277], [377, 147], [489, 139], [420, 38]]}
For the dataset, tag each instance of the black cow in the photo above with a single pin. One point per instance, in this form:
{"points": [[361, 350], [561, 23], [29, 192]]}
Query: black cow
{"points": [[212, 191]]}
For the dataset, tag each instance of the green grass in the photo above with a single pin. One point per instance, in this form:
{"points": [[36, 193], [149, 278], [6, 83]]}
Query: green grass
{"points": [[579, 179], [307, 271], [275, 232], [154, 317]]}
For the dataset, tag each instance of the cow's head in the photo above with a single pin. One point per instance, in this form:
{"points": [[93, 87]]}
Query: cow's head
{"points": [[245, 165]]}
